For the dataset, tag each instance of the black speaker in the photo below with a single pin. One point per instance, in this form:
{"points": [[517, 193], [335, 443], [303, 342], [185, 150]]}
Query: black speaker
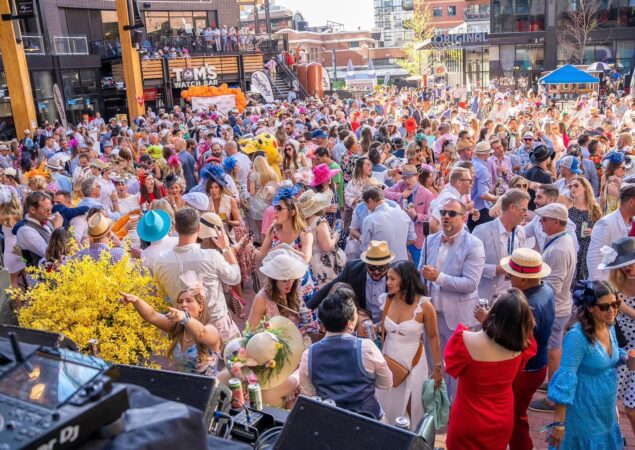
{"points": [[204, 393], [38, 337], [313, 425]]}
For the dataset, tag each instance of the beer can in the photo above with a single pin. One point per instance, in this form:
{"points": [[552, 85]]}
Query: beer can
{"points": [[305, 315], [483, 303], [255, 396], [369, 329], [583, 229], [93, 345], [402, 422], [329, 402], [238, 398]]}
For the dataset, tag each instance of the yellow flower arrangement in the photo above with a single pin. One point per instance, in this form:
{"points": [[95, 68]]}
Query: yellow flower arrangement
{"points": [[81, 300]]}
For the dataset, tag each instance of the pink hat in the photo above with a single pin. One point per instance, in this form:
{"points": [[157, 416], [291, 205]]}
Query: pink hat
{"points": [[322, 174]]}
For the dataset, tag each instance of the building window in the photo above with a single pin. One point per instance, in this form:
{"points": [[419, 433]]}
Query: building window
{"points": [[80, 92], [451, 11], [518, 16], [437, 11], [353, 44]]}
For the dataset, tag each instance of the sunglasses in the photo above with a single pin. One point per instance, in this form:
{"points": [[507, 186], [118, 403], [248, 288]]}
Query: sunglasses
{"points": [[279, 208], [574, 185], [604, 307], [528, 139], [452, 214], [377, 269]]}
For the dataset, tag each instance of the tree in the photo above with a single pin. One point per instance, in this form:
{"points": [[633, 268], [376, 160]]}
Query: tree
{"points": [[575, 28], [421, 25]]}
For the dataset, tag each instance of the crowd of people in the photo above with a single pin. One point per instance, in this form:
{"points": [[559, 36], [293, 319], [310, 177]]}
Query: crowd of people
{"points": [[481, 248]]}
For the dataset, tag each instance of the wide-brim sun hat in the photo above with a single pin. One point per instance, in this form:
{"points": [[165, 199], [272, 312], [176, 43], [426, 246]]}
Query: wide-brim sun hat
{"points": [[311, 202], [211, 223], [377, 254], [154, 225], [620, 254], [322, 174], [283, 264], [525, 263]]}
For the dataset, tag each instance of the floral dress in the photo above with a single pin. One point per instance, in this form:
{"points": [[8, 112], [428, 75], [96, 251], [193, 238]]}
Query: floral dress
{"points": [[307, 285], [188, 361], [579, 217], [325, 266]]}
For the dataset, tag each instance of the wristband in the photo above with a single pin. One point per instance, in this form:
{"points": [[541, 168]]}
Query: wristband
{"points": [[186, 318]]}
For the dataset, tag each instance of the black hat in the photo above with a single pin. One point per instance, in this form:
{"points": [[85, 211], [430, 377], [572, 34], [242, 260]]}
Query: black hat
{"points": [[398, 142], [540, 153], [621, 253]]}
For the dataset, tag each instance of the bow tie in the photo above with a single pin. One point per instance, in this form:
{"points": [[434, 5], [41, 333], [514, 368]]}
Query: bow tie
{"points": [[447, 240]]}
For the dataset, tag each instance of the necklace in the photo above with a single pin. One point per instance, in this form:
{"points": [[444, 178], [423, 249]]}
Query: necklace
{"points": [[186, 339]]}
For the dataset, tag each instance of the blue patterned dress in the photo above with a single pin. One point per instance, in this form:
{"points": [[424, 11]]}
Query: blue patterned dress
{"points": [[586, 383], [188, 361]]}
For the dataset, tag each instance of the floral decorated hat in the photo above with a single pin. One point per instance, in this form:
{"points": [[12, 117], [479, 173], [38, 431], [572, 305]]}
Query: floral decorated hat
{"points": [[266, 355]]}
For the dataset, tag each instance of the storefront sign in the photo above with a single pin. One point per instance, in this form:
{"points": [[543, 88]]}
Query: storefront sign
{"points": [[361, 84], [194, 76], [326, 79], [223, 103], [459, 39], [150, 94], [261, 84], [59, 103], [25, 8], [440, 70]]}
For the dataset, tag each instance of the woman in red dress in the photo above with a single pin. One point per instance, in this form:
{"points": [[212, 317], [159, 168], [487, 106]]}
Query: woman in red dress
{"points": [[485, 364]]}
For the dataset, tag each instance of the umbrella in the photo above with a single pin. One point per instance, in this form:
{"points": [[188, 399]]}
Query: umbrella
{"points": [[598, 67]]}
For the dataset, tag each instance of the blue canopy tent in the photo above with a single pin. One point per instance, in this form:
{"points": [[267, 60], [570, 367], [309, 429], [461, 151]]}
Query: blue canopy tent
{"points": [[568, 74]]}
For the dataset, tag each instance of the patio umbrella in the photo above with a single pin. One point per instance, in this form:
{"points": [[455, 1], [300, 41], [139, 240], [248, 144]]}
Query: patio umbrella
{"points": [[598, 67]]}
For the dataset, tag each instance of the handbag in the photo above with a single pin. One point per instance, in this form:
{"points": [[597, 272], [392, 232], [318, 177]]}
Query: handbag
{"points": [[399, 371]]}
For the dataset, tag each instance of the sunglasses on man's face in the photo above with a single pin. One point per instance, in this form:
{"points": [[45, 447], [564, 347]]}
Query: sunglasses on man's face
{"points": [[604, 307], [377, 269], [528, 139], [452, 214]]}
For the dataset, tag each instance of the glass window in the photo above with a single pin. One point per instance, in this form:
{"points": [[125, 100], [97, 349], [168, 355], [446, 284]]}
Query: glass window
{"points": [[157, 22], [625, 56], [70, 81], [109, 24], [89, 81], [42, 83], [451, 10], [437, 11]]}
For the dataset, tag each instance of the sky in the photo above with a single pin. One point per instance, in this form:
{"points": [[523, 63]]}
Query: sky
{"points": [[352, 13]]}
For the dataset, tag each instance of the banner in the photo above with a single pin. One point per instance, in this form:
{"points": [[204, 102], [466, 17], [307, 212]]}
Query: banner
{"points": [[223, 103], [261, 84], [326, 80], [59, 103], [25, 8]]}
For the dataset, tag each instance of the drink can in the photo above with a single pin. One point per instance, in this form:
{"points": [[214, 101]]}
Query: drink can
{"points": [[238, 398], [583, 229], [305, 315], [93, 345], [255, 396], [329, 402], [483, 303], [402, 422], [370, 330], [404, 203]]}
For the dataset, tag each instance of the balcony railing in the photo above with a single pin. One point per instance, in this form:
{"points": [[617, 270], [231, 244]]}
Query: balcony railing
{"points": [[70, 45], [197, 45], [33, 45], [476, 15]]}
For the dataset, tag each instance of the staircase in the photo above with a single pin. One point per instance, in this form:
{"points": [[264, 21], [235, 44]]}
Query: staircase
{"points": [[281, 88]]}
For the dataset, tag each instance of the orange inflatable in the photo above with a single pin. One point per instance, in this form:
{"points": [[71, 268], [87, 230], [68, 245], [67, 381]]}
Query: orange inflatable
{"points": [[213, 91]]}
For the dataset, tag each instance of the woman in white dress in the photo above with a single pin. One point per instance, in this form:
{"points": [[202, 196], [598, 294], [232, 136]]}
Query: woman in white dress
{"points": [[10, 214], [407, 313]]}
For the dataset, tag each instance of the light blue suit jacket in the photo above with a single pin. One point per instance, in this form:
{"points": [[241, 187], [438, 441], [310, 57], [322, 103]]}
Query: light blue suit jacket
{"points": [[455, 292]]}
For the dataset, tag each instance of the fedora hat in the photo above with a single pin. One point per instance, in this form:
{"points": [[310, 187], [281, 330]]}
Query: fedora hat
{"points": [[255, 351], [311, 203], [540, 153], [322, 173], [99, 164], [154, 225], [464, 144], [211, 224], [484, 147], [621, 253], [409, 170], [98, 226], [525, 263], [282, 264], [377, 254], [53, 164]]}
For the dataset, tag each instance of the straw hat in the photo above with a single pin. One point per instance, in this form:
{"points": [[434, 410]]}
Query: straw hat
{"points": [[54, 164], [464, 144], [98, 226], [211, 224], [282, 264], [377, 254], [311, 203], [525, 263], [483, 147], [99, 164], [262, 347]]}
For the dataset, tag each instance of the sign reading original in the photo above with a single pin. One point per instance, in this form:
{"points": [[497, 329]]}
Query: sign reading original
{"points": [[196, 76], [465, 38]]}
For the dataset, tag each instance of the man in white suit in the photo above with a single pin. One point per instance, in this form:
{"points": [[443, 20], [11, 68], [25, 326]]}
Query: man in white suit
{"points": [[452, 268], [609, 229], [500, 237]]}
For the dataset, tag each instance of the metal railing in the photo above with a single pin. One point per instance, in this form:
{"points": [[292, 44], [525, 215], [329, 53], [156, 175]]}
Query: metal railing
{"points": [[107, 48], [476, 15], [33, 45], [70, 45], [292, 80], [198, 45]]}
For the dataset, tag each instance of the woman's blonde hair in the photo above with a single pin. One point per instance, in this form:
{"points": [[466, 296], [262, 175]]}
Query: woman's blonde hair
{"points": [[264, 171], [177, 332], [595, 212], [516, 179], [298, 223], [11, 211], [163, 204]]}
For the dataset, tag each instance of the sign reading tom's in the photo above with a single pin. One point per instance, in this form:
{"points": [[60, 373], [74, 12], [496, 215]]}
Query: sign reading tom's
{"points": [[194, 76]]}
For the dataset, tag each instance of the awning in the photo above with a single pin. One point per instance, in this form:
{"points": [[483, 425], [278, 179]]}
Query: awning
{"points": [[568, 74]]}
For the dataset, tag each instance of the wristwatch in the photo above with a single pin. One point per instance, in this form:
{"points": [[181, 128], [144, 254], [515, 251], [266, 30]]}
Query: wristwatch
{"points": [[440, 365], [226, 249], [186, 317]]}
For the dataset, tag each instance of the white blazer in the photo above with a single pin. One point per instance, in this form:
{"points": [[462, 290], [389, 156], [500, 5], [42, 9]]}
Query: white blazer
{"points": [[606, 231]]}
